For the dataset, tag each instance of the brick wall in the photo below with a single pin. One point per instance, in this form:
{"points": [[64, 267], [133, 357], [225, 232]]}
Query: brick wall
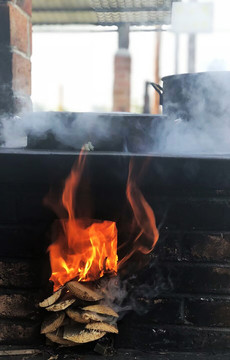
{"points": [[15, 52], [122, 74]]}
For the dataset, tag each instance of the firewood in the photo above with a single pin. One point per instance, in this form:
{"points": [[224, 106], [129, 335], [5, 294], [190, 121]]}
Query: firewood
{"points": [[65, 302], [91, 316], [101, 309], [19, 352], [76, 315], [52, 322], [105, 345], [83, 292], [57, 337], [51, 299], [100, 326], [81, 336]]}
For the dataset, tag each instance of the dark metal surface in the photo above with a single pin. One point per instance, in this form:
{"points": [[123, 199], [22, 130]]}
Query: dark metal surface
{"points": [[169, 172], [106, 131]]}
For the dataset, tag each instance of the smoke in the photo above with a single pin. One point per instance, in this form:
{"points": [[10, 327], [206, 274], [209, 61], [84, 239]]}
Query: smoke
{"points": [[137, 292]]}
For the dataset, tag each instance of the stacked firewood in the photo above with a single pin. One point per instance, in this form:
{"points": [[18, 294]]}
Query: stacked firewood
{"points": [[78, 315]]}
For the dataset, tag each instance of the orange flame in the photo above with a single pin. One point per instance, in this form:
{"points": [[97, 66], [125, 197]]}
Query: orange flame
{"points": [[144, 218], [84, 249]]}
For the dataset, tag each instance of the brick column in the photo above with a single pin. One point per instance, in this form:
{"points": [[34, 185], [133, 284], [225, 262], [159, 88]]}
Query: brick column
{"points": [[122, 73], [15, 52]]}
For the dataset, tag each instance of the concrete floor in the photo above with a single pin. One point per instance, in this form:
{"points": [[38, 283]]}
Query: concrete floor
{"points": [[121, 355]]}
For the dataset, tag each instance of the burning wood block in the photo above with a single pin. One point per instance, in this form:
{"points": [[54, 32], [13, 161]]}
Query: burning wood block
{"points": [[52, 322], [101, 309], [62, 304], [77, 315], [81, 336], [51, 299], [57, 337], [101, 326], [83, 292]]}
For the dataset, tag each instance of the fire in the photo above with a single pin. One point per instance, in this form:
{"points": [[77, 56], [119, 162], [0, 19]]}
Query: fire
{"points": [[144, 219], [84, 249], [85, 252]]}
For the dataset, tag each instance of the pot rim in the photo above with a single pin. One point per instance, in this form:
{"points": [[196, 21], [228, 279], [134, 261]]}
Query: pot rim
{"points": [[187, 75]]}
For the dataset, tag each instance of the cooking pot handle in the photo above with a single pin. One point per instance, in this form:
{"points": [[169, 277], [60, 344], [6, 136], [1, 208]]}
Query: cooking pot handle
{"points": [[158, 89]]}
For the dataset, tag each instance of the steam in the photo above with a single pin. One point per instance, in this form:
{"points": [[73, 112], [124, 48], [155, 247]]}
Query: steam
{"points": [[207, 129], [180, 137], [68, 129], [206, 132]]}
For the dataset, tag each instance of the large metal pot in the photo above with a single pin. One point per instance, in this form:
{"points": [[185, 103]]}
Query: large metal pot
{"points": [[196, 96]]}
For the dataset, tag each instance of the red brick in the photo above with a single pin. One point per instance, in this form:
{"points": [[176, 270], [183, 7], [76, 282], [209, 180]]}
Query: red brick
{"points": [[26, 6], [19, 34], [206, 247], [208, 312], [121, 89], [15, 70], [21, 69], [21, 274], [16, 305], [15, 333], [30, 39]]}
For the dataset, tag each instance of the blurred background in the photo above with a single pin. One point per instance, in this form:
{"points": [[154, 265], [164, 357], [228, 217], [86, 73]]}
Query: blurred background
{"points": [[103, 63]]}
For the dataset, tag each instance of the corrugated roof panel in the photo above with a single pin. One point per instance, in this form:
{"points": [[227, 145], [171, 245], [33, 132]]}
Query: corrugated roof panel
{"points": [[60, 4], [132, 17], [61, 17], [103, 4], [124, 4], [102, 12]]}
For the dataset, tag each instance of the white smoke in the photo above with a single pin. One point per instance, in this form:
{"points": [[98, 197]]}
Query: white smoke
{"points": [[69, 129], [135, 293], [208, 129], [192, 138]]}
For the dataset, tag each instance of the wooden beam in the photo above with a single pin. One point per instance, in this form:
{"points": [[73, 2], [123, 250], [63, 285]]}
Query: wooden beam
{"points": [[156, 108]]}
